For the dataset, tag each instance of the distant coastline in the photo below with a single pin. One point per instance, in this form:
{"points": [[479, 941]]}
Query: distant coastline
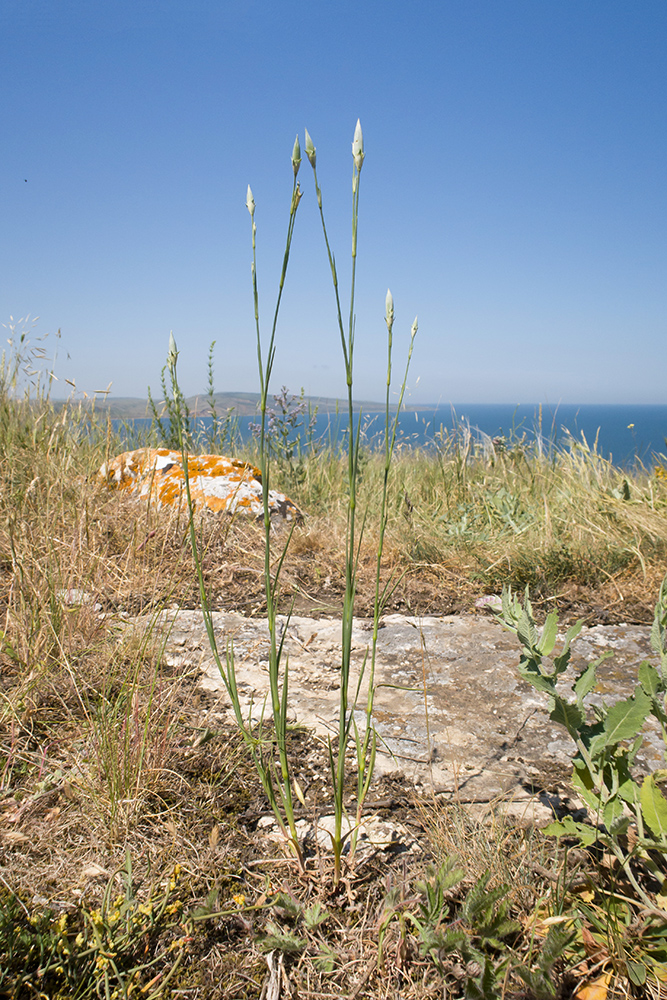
{"points": [[244, 404], [624, 433]]}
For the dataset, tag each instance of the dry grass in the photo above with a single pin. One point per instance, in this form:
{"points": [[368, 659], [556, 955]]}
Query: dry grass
{"points": [[106, 750]]}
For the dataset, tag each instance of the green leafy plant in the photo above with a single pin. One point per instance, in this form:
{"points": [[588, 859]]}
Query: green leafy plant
{"points": [[290, 433], [467, 932], [174, 426], [217, 432], [114, 949], [174, 422], [294, 917], [607, 741]]}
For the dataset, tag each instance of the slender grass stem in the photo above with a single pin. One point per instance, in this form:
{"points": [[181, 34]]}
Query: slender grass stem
{"points": [[365, 748]]}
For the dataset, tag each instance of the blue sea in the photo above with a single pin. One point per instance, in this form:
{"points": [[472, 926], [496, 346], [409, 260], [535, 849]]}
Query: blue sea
{"points": [[625, 434]]}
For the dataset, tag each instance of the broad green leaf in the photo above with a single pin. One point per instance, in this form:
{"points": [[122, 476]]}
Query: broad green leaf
{"points": [[623, 722], [657, 637], [654, 807], [659, 629], [614, 818], [568, 714], [636, 972], [549, 633], [567, 827], [585, 683], [650, 680], [628, 788]]}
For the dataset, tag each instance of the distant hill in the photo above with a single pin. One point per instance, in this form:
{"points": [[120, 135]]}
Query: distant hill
{"points": [[244, 404]]}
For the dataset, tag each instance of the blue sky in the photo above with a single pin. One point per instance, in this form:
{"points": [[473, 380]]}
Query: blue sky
{"points": [[513, 193]]}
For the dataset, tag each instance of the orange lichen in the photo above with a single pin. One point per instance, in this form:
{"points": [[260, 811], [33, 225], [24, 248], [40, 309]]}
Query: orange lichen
{"points": [[218, 483]]}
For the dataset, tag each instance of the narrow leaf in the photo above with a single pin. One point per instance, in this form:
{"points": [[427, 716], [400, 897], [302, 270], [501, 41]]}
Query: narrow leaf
{"points": [[549, 633], [561, 662], [526, 631], [585, 683]]}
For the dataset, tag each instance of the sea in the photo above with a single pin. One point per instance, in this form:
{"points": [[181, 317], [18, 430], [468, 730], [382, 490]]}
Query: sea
{"points": [[629, 434]]}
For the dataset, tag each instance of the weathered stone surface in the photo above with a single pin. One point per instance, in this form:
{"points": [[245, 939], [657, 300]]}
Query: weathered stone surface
{"points": [[451, 710], [218, 483]]}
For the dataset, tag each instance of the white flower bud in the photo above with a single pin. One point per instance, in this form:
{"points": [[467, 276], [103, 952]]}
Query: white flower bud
{"points": [[310, 149], [415, 327], [296, 156], [250, 201], [172, 354], [389, 310], [358, 146]]}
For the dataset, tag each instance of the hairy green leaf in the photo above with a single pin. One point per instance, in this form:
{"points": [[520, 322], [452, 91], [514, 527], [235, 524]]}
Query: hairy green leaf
{"points": [[526, 631], [650, 680], [654, 807], [623, 722], [567, 827], [614, 818], [567, 714]]}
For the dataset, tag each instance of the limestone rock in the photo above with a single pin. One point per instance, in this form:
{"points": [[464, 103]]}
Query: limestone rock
{"points": [[451, 710], [218, 483]]}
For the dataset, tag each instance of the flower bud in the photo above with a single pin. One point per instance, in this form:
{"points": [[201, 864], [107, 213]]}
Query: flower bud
{"points": [[414, 329], [172, 354], [250, 201], [389, 310], [310, 149], [358, 146], [296, 156]]}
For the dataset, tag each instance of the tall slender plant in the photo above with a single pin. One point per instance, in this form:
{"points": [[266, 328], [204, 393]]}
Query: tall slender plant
{"points": [[365, 746], [276, 779], [275, 775]]}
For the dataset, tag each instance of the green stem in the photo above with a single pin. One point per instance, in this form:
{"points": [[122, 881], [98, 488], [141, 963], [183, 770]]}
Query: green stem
{"points": [[271, 582], [363, 778]]}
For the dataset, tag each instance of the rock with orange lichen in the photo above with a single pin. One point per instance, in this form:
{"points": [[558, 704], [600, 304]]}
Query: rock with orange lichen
{"points": [[220, 484]]}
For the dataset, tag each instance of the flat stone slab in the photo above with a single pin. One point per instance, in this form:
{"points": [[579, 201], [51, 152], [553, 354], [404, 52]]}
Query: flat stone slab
{"points": [[451, 710]]}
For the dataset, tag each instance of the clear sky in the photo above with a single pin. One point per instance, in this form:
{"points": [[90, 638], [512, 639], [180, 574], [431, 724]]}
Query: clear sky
{"points": [[514, 191]]}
